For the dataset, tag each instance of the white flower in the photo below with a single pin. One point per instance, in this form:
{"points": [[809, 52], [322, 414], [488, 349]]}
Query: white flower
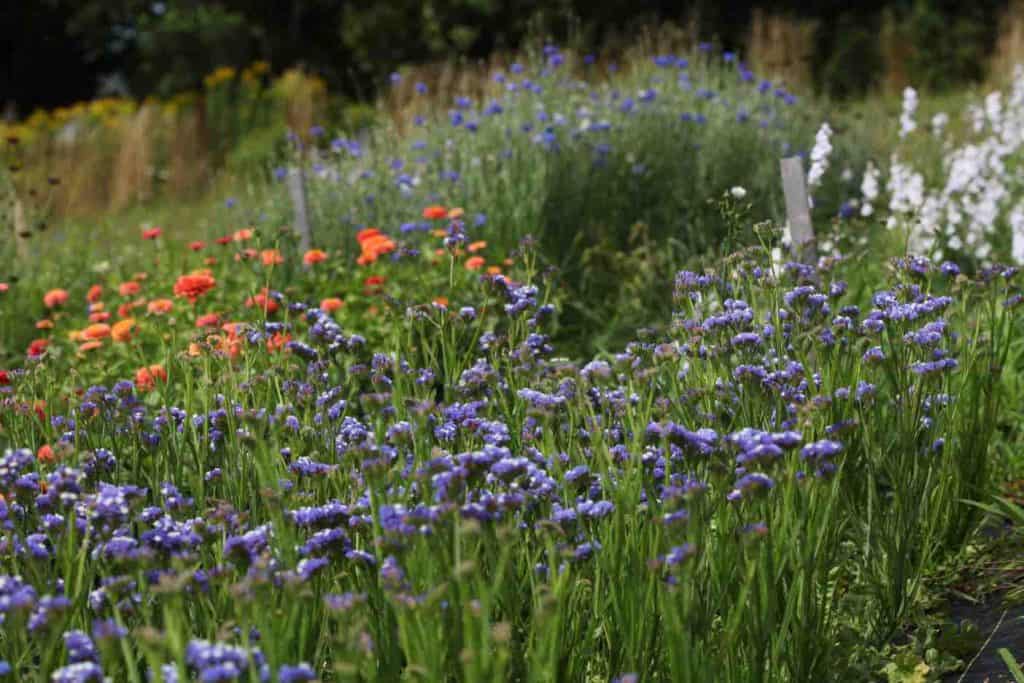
{"points": [[819, 155], [907, 123], [738, 192]]}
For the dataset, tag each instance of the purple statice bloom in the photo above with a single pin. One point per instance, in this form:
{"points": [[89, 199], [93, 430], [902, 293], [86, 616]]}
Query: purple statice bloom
{"points": [[107, 629], [250, 545], [873, 355], [749, 485], [46, 610], [819, 450], [679, 554], [343, 602], [746, 339], [220, 662], [949, 268], [928, 368], [81, 672], [299, 673], [334, 540], [307, 467], [80, 648]]}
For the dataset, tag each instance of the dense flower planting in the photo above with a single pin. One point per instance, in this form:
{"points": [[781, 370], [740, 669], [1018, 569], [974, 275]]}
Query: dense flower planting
{"points": [[237, 486]]}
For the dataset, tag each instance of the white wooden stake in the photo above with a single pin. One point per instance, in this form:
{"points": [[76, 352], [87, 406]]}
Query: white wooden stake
{"points": [[20, 226], [798, 210], [297, 190]]}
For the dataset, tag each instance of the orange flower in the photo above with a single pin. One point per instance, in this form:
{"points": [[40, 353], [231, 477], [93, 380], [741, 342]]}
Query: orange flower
{"points": [[45, 454], [121, 331], [242, 235], [99, 317], [441, 301], [37, 348], [263, 301], [139, 277], [146, 378], [474, 263], [456, 213], [208, 320], [55, 297], [152, 233], [96, 331], [331, 304], [314, 256], [160, 306], [94, 294], [193, 286], [435, 212], [373, 245], [271, 257], [494, 270], [125, 310], [130, 288], [197, 245], [210, 260], [90, 345], [476, 246], [44, 324], [278, 341], [366, 233], [194, 350], [98, 306]]}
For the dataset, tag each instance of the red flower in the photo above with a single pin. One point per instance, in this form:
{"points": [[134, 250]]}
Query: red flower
{"points": [[208, 320], [37, 348], [94, 294], [193, 286], [55, 297], [45, 453], [146, 378], [314, 256], [152, 233], [435, 212], [5, 378], [197, 245], [263, 301]]}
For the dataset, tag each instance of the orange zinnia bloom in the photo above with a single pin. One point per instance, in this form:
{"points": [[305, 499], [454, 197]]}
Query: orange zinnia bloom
{"points": [[45, 453], [435, 212], [160, 306], [494, 270], [90, 345], [44, 324], [375, 246], [263, 301], [278, 341], [208, 320], [242, 235], [121, 331], [476, 246], [94, 294], [130, 288], [37, 347], [152, 233], [193, 286], [99, 317], [55, 297], [474, 263], [331, 304], [146, 378], [456, 213], [96, 331], [271, 257], [441, 301], [314, 256], [366, 233]]}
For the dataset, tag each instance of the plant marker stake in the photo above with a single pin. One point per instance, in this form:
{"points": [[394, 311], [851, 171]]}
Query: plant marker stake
{"points": [[297, 190], [798, 212], [20, 229]]}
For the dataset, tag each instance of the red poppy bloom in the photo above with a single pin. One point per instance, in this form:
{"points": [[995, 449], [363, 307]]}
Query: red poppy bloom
{"points": [[152, 233]]}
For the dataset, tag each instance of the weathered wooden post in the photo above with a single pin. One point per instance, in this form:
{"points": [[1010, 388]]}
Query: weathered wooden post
{"points": [[798, 210], [20, 226], [297, 189]]}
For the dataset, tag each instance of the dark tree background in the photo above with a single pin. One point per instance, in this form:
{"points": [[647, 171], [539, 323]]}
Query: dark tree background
{"points": [[59, 51]]}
